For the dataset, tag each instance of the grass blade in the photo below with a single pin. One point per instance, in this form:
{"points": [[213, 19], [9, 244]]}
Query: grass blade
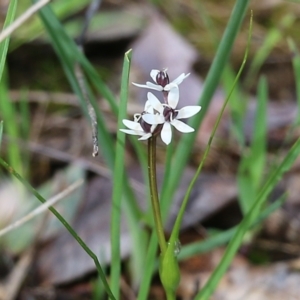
{"points": [[34, 27], [185, 146], [176, 228], [118, 177], [223, 237], [23, 18], [4, 45], [1, 132], [259, 140], [296, 67], [149, 268], [251, 168], [273, 37], [9, 115], [69, 56], [235, 243], [64, 223]]}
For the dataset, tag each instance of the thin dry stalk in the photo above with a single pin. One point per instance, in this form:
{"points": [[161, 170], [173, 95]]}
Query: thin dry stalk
{"points": [[91, 111], [42, 207], [18, 274], [94, 6], [24, 17]]}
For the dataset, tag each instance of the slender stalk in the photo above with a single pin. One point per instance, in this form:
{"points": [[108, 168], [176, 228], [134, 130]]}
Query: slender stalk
{"points": [[24, 17], [65, 224], [42, 208], [93, 117], [184, 148], [154, 195]]}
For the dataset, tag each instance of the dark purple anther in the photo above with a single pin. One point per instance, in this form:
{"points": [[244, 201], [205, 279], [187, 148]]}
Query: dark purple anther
{"points": [[162, 78], [146, 127], [169, 114]]}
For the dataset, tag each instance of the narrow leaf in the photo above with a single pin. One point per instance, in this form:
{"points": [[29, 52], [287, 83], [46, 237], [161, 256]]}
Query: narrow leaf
{"points": [[4, 45], [118, 178], [236, 241]]}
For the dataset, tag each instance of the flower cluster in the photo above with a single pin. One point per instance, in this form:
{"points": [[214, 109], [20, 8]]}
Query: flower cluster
{"points": [[158, 117]]}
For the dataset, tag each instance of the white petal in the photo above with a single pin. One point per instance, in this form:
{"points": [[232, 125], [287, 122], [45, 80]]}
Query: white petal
{"points": [[173, 95], [133, 132], [153, 119], [182, 127], [145, 136], [149, 85], [148, 107], [153, 86], [140, 85], [180, 78], [155, 103], [133, 125], [153, 128], [153, 74], [166, 133], [188, 111], [169, 86]]}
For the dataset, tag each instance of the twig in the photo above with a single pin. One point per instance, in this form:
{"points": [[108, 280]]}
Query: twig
{"points": [[91, 111], [66, 157], [18, 274], [19, 21], [20, 270], [80, 77], [63, 221], [63, 98], [42, 207], [94, 6]]}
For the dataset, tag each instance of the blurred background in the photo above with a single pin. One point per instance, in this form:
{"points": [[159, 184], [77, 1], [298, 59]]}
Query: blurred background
{"points": [[47, 139]]}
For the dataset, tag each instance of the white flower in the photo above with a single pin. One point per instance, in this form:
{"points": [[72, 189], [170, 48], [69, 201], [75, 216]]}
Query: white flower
{"points": [[161, 79], [138, 126], [168, 115]]}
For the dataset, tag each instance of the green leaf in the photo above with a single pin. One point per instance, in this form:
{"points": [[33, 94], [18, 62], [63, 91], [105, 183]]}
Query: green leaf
{"points": [[254, 212], [259, 139], [34, 27], [224, 237], [9, 115], [64, 222], [149, 268], [169, 270], [69, 56], [1, 132], [270, 41], [118, 179], [237, 104], [185, 146], [4, 44], [296, 67], [252, 165], [176, 228], [20, 239]]}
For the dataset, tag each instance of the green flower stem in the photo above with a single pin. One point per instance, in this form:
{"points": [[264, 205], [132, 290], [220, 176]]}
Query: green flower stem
{"points": [[154, 195], [170, 295]]}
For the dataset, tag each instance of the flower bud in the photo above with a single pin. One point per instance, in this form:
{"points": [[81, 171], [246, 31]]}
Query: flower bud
{"points": [[162, 78], [169, 270]]}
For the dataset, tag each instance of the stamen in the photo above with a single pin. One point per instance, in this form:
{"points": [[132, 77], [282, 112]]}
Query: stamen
{"points": [[162, 78], [137, 117]]}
